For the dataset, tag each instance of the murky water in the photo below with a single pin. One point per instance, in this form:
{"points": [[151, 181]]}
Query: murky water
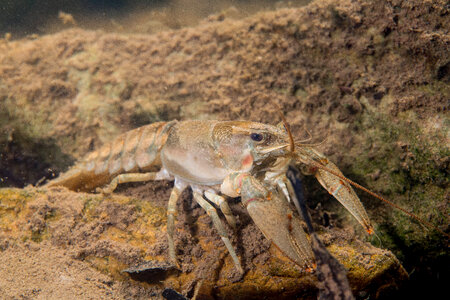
{"points": [[21, 18]]}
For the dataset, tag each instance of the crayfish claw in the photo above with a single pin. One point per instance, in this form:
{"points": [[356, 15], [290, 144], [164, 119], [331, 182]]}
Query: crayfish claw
{"points": [[273, 216], [344, 193], [279, 225], [332, 179]]}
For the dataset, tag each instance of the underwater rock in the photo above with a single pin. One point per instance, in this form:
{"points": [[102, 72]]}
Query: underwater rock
{"points": [[113, 233]]}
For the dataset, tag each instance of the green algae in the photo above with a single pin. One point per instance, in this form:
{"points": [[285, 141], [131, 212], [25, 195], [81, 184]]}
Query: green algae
{"points": [[12, 204], [15, 209], [150, 214], [436, 88], [404, 161]]}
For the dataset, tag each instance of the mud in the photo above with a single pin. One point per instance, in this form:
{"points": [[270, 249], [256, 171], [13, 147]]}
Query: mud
{"points": [[369, 78]]}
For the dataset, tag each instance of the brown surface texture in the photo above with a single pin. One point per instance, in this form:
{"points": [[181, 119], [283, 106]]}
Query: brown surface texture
{"points": [[371, 76]]}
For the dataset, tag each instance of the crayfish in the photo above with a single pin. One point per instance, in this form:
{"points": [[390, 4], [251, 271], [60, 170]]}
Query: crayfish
{"points": [[219, 159]]}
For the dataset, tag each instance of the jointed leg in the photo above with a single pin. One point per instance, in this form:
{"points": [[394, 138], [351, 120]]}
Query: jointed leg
{"points": [[133, 177], [224, 207], [171, 214], [291, 192], [283, 183], [211, 211]]}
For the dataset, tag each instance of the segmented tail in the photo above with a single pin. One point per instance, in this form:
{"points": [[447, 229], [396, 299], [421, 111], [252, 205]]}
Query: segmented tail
{"points": [[134, 151]]}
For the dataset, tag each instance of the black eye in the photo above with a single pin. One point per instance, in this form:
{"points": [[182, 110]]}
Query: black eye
{"points": [[257, 137]]}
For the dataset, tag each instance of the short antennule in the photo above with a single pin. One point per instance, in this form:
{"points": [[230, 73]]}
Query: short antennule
{"points": [[302, 144], [288, 130]]}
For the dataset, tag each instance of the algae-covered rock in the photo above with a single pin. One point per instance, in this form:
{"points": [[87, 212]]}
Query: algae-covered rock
{"points": [[114, 233]]}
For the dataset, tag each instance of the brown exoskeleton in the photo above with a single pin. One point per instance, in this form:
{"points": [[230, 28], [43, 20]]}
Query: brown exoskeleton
{"points": [[217, 159]]}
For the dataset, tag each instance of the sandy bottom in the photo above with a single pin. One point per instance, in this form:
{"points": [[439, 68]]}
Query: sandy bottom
{"points": [[47, 272]]}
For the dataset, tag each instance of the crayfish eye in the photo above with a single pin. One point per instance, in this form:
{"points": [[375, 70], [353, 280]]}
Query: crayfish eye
{"points": [[257, 137]]}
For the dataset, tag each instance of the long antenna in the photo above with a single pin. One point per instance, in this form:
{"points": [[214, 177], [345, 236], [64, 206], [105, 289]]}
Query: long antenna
{"points": [[320, 166]]}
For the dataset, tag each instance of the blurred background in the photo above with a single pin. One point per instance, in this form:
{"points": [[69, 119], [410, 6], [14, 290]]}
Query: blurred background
{"points": [[26, 17]]}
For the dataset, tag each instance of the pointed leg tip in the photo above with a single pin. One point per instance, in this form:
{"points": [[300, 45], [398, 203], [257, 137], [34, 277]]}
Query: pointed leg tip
{"points": [[370, 230], [233, 226], [241, 271], [176, 264], [103, 191], [310, 268]]}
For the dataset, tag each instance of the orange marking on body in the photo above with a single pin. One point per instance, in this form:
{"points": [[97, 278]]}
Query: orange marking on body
{"points": [[247, 161], [334, 191], [239, 179], [312, 170], [289, 216], [239, 182], [311, 269], [345, 185], [324, 161], [370, 231], [250, 200]]}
